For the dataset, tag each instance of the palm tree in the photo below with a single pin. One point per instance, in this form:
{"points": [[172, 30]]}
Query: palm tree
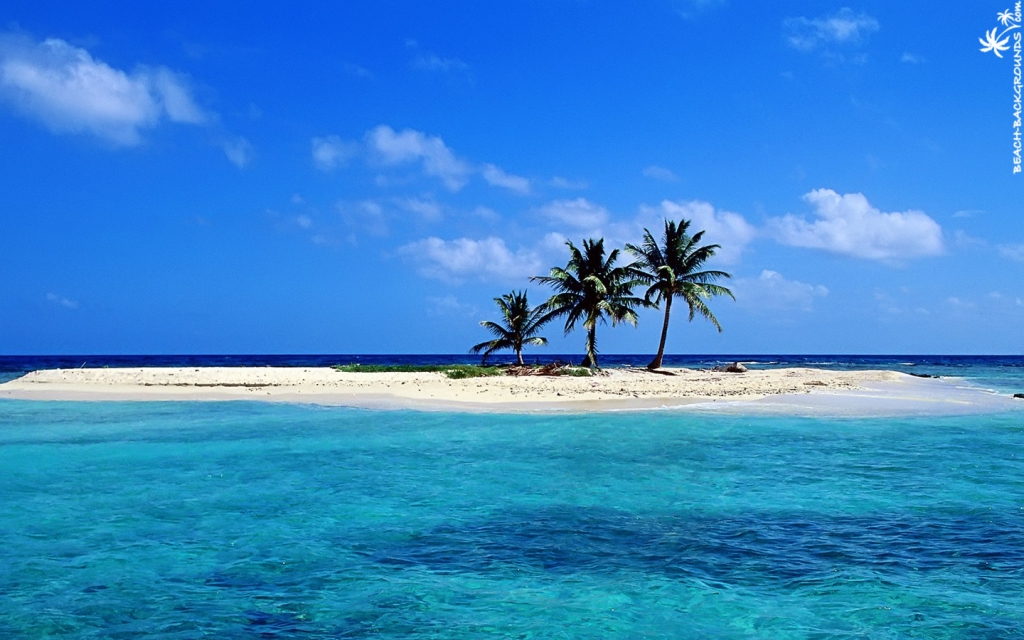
{"points": [[675, 269], [593, 289], [519, 326]]}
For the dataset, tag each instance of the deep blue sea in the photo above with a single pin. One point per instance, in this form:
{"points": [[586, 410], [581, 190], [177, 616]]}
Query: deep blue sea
{"points": [[251, 520]]}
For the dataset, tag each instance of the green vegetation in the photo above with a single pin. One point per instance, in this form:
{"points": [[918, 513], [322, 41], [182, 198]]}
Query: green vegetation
{"points": [[453, 371], [574, 372], [462, 371], [519, 326], [592, 289], [674, 269]]}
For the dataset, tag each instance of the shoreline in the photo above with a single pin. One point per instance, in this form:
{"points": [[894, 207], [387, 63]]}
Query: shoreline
{"points": [[791, 391]]}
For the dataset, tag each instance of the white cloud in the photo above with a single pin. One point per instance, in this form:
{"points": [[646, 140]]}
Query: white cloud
{"points": [[428, 209], [912, 58], [967, 213], [1012, 251], [175, 96], [434, 62], [449, 305], [388, 147], [689, 8], [330, 152], [849, 225], [239, 151], [69, 91], [730, 230], [365, 216], [429, 61], [962, 239], [394, 148], [358, 71], [456, 260], [496, 177], [581, 214], [660, 173], [843, 27], [772, 291], [486, 213], [62, 301], [564, 183], [960, 303]]}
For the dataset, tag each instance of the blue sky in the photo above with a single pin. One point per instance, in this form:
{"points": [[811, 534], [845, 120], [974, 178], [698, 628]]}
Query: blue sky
{"points": [[364, 177]]}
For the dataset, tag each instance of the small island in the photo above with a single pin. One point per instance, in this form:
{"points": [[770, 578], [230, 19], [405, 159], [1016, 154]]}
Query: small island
{"points": [[463, 388]]}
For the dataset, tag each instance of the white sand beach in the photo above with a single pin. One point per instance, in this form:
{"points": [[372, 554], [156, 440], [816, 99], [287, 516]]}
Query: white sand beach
{"points": [[612, 389]]}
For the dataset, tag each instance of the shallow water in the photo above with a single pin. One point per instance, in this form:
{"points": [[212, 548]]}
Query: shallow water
{"points": [[246, 520]]}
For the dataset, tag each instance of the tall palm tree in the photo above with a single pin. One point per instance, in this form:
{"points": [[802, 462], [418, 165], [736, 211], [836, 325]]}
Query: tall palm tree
{"points": [[675, 269], [519, 326], [592, 289]]}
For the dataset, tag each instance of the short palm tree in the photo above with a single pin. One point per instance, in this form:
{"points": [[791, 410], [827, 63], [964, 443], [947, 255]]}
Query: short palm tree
{"points": [[519, 326], [592, 289], [675, 269]]}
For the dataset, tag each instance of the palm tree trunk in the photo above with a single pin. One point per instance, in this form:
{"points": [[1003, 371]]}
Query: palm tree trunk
{"points": [[591, 358], [656, 363], [519, 354]]}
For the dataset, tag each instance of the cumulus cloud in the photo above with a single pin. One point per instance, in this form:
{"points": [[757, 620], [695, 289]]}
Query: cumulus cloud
{"points": [[842, 28], [407, 146], [660, 173], [730, 230], [69, 91], [849, 225], [456, 260], [384, 146], [330, 152], [580, 214], [912, 58], [771, 290], [496, 177]]}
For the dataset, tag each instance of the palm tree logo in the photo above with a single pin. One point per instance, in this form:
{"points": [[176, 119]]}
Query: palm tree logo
{"points": [[999, 43]]}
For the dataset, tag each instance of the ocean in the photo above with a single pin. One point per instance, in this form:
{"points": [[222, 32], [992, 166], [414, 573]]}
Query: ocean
{"points": [[253, 520]]}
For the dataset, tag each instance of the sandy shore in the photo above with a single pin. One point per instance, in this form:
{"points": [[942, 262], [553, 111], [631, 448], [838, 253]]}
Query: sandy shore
{"points": [[614, 389]]}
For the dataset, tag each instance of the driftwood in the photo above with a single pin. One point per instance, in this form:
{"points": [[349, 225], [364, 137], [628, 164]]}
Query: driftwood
{"points": [[554, 369]]}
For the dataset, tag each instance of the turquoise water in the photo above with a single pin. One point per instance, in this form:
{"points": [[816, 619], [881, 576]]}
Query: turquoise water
{"points": [[239, 520]]}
